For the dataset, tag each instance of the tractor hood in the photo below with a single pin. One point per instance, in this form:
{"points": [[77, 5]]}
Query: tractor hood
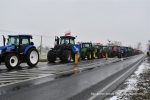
{"points": [[2, 47], [7, 48]]}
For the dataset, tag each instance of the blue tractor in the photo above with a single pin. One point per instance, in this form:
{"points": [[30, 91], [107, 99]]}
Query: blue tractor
{"points": [[18, 49]]}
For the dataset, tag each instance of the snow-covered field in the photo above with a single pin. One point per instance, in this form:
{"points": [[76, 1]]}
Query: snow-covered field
{"points": [[136, 87]]}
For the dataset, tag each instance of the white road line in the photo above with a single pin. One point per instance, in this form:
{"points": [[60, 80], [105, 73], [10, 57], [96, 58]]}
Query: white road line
{"points": [[25, 80]]}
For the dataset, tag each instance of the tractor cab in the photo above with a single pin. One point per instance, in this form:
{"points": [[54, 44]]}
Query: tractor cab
{"points": [[105, 48], [97, 46], [86, 45], [67, 40], [19, 40]]}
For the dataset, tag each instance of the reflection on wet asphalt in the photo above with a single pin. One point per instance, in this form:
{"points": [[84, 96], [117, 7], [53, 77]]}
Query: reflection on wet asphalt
{"points": [[45, 70]]}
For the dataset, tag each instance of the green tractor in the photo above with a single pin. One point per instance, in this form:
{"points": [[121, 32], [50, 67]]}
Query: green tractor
{"points": [[64, 49], [87, 51]]}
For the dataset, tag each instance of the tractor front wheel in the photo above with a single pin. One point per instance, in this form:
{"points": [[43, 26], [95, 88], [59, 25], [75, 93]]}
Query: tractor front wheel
{"points": [[51, 56], [83, 57], [98, 55], [32, 57], [66, 56], [11, 61]]}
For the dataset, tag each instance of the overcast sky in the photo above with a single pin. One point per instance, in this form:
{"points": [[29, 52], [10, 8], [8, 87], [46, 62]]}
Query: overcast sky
{"points": [[127, 21]]}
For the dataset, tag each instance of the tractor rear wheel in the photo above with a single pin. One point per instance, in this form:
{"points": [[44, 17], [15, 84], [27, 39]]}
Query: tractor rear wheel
{"points": [[66, 56], [98, 55], [89, 56], [83, 57], [11, 61], [32, 57], [93, 55], [51, 57]]}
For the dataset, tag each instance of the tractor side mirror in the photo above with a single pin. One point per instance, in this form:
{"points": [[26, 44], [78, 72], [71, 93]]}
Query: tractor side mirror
{"points": [[56, 40], [32, 43], [7, 41], [4, 40]]}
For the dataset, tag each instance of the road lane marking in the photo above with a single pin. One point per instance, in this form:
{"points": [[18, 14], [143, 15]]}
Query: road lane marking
{"points": [[36, 73]]}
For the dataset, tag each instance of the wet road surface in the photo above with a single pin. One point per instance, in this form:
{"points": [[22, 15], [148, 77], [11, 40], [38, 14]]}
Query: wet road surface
{"points": [[67, 87], [45, 70]]}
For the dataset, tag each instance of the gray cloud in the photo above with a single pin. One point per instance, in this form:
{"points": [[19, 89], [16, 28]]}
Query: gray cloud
{"points": [[127, 21]]}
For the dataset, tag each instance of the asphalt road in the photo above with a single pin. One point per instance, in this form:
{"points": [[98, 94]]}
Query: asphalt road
{"points": [[75, 87], [46, 70]]}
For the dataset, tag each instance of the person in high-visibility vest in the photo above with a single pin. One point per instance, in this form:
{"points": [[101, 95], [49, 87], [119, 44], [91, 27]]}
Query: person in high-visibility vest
{"points": [[76, 58]]}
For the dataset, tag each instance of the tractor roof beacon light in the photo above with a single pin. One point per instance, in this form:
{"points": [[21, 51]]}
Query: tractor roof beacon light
{"points": [[68, 34]]}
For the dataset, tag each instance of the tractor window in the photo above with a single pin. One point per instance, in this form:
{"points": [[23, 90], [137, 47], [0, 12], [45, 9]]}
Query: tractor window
{"points": [[13, 40], [64, 41], [104, 48], [25, 41], [72, 41], [86, 45]]}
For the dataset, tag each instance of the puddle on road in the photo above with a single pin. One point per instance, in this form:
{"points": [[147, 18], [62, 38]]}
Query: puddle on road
{"points": [[136, 87]]}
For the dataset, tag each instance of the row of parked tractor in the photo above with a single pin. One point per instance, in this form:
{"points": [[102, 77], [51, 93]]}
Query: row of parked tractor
{"points": [[20, 49], [66, 49]]}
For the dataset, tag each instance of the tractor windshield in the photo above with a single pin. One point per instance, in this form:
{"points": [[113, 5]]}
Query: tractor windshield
{"points": [[67, 41], [86, 45], [97, 46], [13, 40], [105, 48]]}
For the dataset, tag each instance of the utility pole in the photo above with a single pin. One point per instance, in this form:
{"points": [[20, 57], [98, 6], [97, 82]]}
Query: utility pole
{"points": [[139, 46]]}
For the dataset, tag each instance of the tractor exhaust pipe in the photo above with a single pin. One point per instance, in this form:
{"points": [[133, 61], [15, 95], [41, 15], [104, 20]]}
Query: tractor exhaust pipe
{"points": [[56, 40], [4, 40]]}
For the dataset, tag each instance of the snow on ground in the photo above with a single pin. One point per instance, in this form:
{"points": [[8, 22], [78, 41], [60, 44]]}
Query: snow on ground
{"points": [[113, 98], [130, 84]]}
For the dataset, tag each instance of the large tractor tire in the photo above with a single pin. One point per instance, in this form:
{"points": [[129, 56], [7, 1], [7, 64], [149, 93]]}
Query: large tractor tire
{"points": [[93, 55], [148, 54], [98, 55], [83, 57], [83, 53], [51, 57], [89, 56], [32, 57], [11, 61], [66, 56]]}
